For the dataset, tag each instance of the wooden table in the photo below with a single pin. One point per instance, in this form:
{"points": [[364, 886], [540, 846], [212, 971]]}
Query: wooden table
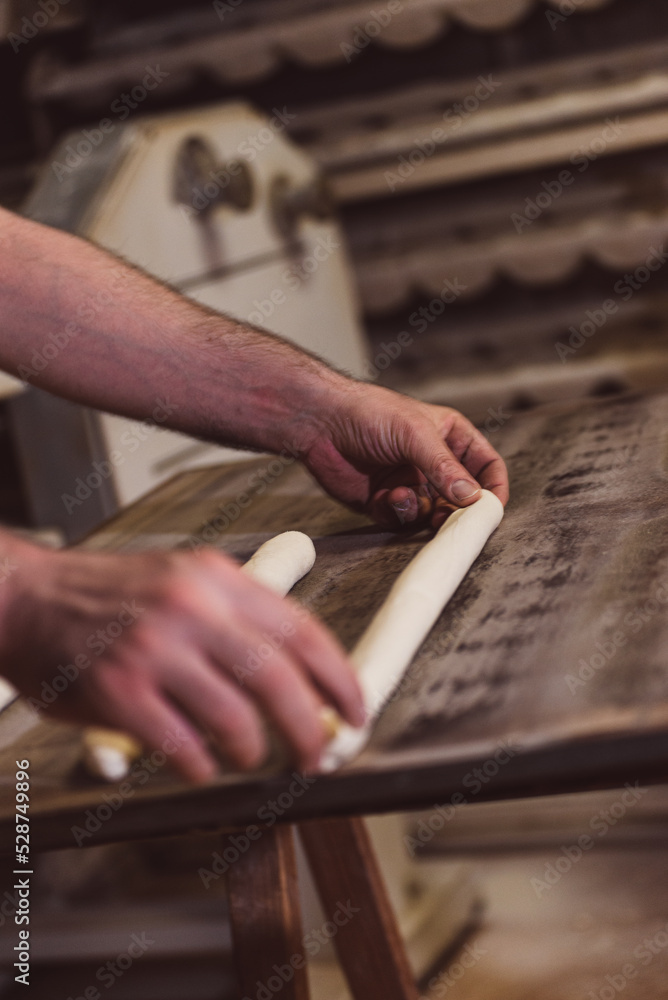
{"points": [[546, 673]]}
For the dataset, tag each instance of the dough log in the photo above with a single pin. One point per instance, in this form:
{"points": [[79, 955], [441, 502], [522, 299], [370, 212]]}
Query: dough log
{"points": [[413, 605], [282, 561]]}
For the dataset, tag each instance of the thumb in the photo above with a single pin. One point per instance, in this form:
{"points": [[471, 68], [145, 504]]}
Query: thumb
{"points": [[447, 475]]}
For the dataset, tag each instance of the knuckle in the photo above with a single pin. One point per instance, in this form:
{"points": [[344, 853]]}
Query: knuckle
{"points": [[116, 680], [444, 470], [270, 677], [158, 564], [144, 640]]}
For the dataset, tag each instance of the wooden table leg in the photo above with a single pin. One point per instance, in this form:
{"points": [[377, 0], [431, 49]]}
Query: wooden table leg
{"points": [[266, 918], [368, 944]]}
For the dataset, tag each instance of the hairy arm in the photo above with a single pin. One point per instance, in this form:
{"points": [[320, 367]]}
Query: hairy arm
{"points": [[108, 335], [116, 339]]}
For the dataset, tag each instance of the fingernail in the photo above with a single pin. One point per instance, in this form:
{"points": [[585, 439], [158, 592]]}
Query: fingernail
{"points": [[463, 490], [401, 509]]}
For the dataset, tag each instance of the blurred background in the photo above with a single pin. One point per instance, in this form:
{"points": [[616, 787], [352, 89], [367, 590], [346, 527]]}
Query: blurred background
{"points": [[485, 178], [463, 199]]}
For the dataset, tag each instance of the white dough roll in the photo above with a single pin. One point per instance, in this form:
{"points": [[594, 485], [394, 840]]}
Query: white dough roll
{"points": [[282, 561], [409, 612]]}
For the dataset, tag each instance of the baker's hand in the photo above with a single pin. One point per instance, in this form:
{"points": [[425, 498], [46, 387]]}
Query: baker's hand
{"points": [[401, 460], [180, 642]]}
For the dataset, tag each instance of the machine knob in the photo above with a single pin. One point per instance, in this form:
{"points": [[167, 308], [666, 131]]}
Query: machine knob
{"points": [[202, 183], [290, 203]]}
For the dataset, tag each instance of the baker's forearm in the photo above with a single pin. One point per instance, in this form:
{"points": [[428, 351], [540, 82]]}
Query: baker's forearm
{"points": [[82, 324]]}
